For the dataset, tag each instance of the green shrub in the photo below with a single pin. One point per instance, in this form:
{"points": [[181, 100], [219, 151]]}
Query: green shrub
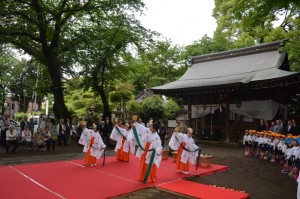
{"points": [[79, 104], [87, 95]]}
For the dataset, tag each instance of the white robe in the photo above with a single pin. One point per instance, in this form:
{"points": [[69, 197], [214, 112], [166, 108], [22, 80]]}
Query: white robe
{"points": [[155, 144], [98, 146], [85, 139], [142, 135], [115, 135], [174, 143], [186, 155]]}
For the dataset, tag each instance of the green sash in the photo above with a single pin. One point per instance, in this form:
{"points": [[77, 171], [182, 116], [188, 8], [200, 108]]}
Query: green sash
{"points": [[137, 138], [150, 166], [118, 130], [199, 152], [152, 155], [186, 148]]}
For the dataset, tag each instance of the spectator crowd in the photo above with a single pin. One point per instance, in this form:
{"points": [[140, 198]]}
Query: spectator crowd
{"points": [[277, 143]]}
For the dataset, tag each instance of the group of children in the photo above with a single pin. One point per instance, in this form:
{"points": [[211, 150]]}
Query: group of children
{"points": [[274, 147]]}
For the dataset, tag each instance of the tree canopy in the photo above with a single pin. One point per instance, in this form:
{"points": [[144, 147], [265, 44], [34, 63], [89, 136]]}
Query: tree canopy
{"points": [[52, 32], [86, 53]]}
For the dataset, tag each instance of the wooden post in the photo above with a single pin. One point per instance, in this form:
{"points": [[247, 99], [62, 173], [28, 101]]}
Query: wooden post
{"points": [[189, 112], [227, 121]]}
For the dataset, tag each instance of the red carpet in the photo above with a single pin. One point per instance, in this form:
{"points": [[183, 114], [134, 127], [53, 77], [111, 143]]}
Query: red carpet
{"points": [[202, 191], [74, 179]]}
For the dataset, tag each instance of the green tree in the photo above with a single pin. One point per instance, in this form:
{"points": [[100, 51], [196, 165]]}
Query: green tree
{"points": [[51, 31], [104, 60], [80, 101], [159, 63], [265, 21], [19, 79], [133, 106], [170, 110], [122, 95], [153, 108], [7, 78]]}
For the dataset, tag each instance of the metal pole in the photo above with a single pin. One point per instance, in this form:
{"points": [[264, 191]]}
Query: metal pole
{"points": [[9, 108], [47, 105], [32, 103], [24, 102], [211, 112]]}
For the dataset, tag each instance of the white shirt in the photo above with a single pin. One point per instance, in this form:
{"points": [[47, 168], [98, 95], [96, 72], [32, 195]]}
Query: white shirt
{"points": [[11, 135]]}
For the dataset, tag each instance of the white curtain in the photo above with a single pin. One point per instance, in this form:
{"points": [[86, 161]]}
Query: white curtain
{"points": [[200, 111], [260, 109]]}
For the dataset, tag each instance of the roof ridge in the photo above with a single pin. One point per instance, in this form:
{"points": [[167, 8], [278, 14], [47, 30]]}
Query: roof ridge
{"points": [[274, 46]]}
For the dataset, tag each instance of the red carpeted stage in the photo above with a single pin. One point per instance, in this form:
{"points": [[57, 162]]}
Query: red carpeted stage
{"points": [[74, 179], [202, 191]]}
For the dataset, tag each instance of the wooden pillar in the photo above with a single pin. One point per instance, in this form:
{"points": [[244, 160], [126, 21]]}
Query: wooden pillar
{"points": [[227, 121], [189, 112]]}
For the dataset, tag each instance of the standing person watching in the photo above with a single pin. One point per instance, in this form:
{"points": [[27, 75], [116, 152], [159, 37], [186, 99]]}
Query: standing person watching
{"points": [[24, 123], [141, 122], [61, 129], [4, 124], [68, 129], [31, 125], [162, 133], [42, 125], [261, 126], [106, 130]]}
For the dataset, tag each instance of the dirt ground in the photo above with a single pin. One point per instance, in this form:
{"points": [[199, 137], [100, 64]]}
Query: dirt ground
{"points": [[260, 178]]}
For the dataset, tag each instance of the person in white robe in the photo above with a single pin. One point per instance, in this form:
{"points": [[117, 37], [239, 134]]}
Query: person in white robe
{"points": [[141, 133], [151, 158], [98, 147], [120, 135], [188, 151], [176, 139], [85, 137]]}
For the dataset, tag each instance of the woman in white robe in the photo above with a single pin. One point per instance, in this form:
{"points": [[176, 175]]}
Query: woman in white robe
{"points": [[153, 145], [120, 135], [174, 142], [189, 153], [85, 137], [96, 147], [142, 134]]}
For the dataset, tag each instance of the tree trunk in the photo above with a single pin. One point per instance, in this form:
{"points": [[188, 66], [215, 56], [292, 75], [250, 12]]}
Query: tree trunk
{"points": [[2, 103], [59, 107], [106, 109]]}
